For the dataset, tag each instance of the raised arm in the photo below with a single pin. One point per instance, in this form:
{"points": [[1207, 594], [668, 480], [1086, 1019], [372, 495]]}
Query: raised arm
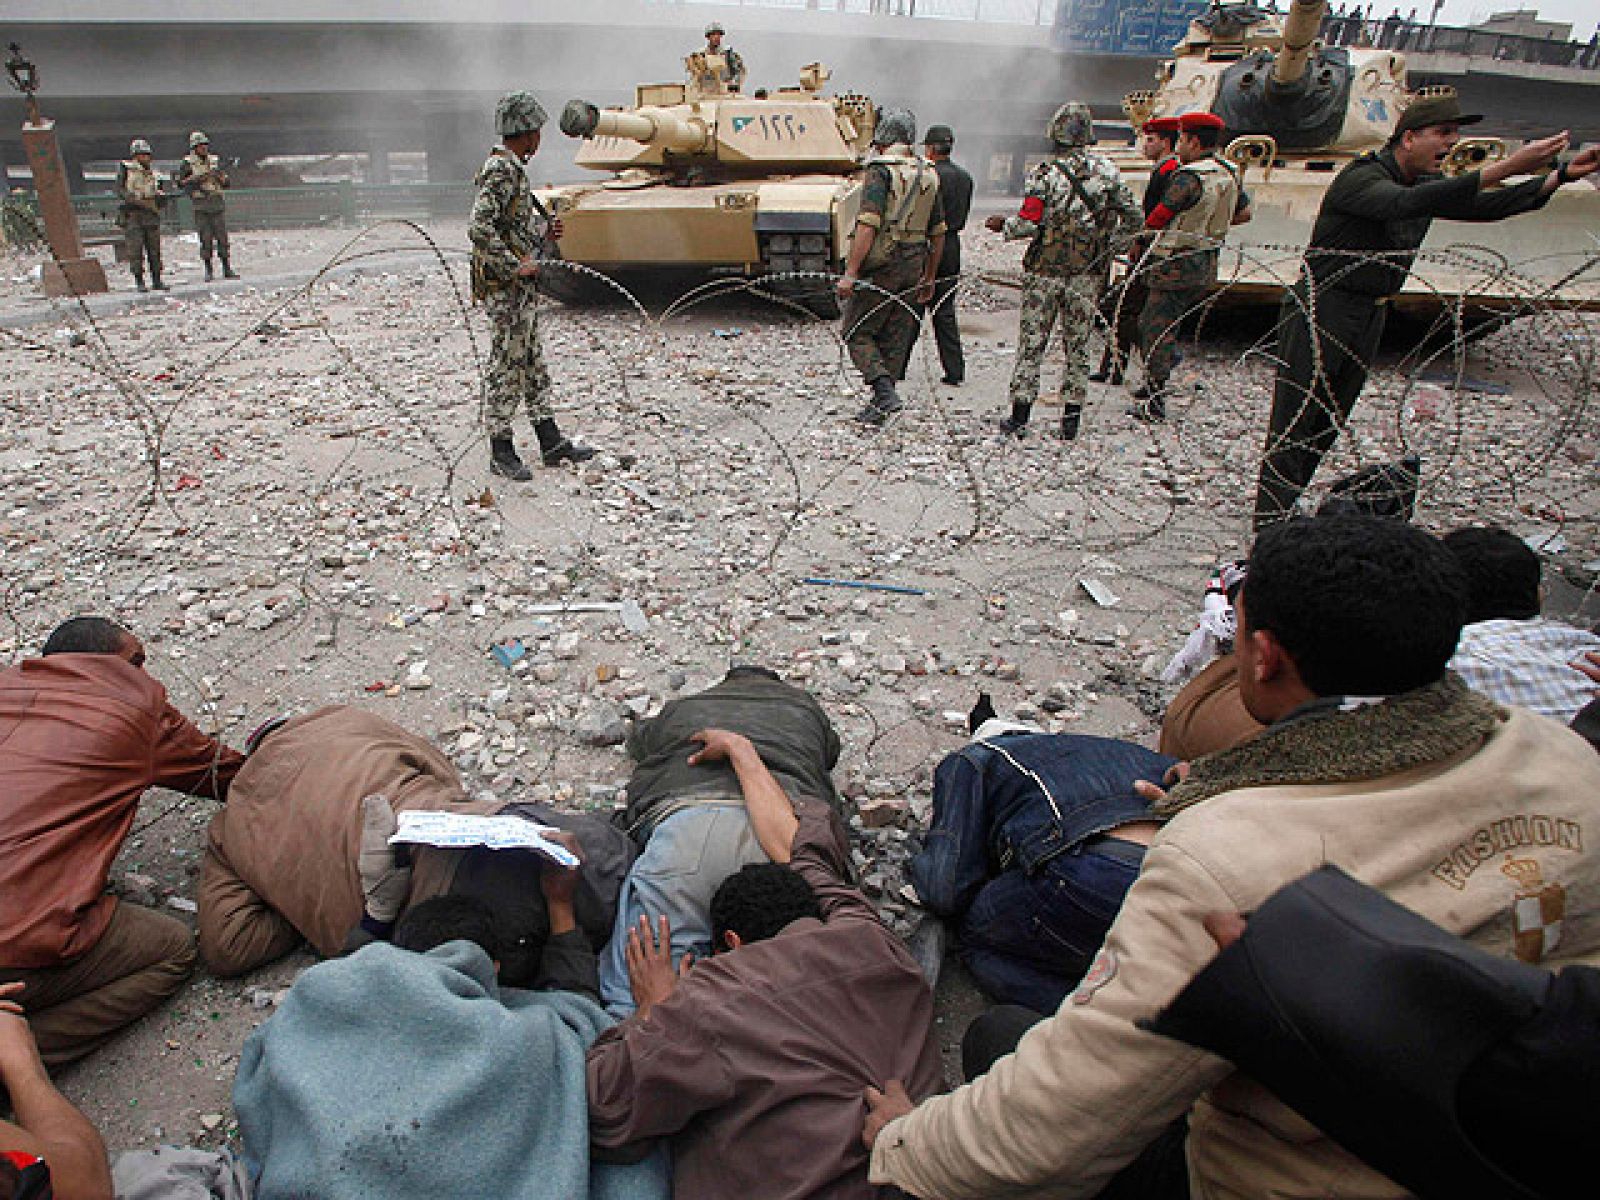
{"points": [[772, 816]]}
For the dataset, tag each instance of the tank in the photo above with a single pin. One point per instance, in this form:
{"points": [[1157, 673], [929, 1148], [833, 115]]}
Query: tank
{"points": [[700, 179], [1296, 112]]}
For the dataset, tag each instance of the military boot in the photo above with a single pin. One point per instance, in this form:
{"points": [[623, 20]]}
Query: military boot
{"points": [[884, 404], [138, 281], [503, 460], [1016, 425], [210, 274], [554, 449], [155, 282], [227, 268], [1071, 416]]}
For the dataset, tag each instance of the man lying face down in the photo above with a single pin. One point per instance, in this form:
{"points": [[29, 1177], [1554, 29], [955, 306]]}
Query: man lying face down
{"points": [[405, 1070], [753, 1061]]}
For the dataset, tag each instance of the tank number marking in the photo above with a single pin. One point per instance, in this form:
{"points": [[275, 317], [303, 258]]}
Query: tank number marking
{"points": [[778, 127]]}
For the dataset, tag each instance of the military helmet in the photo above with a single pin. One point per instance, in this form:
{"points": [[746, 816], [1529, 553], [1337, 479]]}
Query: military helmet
{"points": [[139, 146], [715, 27], [198, 139], [518, 112], [1072, 125], [895, 125]]}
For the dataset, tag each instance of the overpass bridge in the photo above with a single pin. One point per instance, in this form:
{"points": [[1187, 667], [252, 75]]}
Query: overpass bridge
{"points": [[377, 76]]}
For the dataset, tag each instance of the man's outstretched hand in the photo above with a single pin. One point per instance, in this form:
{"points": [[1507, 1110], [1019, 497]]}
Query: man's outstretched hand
{"points": [[650, 963], [885, 1106]]}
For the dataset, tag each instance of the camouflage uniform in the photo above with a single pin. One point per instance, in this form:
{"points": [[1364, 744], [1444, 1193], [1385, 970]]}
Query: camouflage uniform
{"points": [[501, 232], [900, 199], [201, 175], [140, 217], [1072, 239], [1181, 266]]}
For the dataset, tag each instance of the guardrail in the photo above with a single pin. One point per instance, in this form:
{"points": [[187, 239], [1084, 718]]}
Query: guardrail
{"points": [[336, 204]]}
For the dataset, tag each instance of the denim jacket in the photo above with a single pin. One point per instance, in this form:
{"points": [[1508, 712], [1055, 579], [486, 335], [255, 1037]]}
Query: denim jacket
{"points": [[1020, 799]]}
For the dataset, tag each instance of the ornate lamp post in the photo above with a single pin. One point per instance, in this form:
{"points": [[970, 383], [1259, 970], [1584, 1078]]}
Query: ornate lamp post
{"points": [[68, 271]]}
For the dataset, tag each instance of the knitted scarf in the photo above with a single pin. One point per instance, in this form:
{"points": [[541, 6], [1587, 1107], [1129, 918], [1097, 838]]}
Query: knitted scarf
{"points": [[1342, 745]]}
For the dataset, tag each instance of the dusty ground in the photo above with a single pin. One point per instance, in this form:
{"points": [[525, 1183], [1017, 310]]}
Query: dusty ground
{"points": [[284, 490]]}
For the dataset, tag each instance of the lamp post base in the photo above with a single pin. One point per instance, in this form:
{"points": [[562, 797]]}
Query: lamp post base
{"points": [[74, 277]]}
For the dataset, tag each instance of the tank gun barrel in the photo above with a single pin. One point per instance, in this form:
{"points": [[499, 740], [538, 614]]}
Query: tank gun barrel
{"points": [[650, 126], [1300, 31]]}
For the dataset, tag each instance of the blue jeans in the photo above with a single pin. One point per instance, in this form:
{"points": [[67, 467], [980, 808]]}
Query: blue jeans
{"points": [[1028, 939], [683, 863]]}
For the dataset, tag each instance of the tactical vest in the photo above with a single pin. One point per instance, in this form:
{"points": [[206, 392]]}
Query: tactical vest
{"points": [[515, 229], [1074, 233], [141, 183], [907, 213], [208, 193], [1204, 225]]}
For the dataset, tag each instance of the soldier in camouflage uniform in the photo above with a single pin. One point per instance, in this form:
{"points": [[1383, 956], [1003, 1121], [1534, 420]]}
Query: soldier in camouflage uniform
{"points": [[139, 214], [1075, 210], [895, 249], [732, 73], [1186, 230], [203, 178], [505, 266]]}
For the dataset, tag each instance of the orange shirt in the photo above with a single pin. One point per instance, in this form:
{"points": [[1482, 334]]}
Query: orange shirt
{"points": [[81, 738]]}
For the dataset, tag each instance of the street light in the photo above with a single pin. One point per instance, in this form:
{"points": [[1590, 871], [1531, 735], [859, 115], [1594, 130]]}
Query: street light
{"points": [[25, 78]]}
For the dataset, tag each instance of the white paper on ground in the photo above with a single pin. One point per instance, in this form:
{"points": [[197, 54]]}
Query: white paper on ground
{"points": [[497, 833]]}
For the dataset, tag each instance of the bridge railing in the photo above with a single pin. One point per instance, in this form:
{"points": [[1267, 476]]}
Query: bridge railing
{"points": [[298, 207]]}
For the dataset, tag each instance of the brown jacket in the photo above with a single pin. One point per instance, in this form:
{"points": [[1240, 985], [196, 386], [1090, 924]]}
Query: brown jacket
{"points": [[292, 828], [757, 1063], [82, 736], [1499, 844], [1207, 714]]}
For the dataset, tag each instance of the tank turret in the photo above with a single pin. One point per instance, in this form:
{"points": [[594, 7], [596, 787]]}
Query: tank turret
{"points": [[1267, 75]]}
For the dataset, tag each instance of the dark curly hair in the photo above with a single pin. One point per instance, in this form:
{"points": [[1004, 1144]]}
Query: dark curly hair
{"points": [[86, 635], [448, 919], [758, 901], [1502, 574], [1363, 606]]}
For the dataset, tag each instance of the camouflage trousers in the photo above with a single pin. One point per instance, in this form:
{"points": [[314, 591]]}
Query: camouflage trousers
{"points": [[141, 238], [213, 230], [1046, 299], [517, 374], [880, 329], [1160, 326]]}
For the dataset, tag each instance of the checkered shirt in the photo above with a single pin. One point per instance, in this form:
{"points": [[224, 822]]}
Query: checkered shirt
{"points": [[1527, 663]]}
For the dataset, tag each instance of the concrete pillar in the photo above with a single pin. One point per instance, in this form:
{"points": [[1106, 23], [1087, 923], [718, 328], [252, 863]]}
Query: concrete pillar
{"points": [[378, 165], [68, 272]]}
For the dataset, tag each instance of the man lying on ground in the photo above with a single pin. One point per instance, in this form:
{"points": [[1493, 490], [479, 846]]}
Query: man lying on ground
{"points": [[407, 1071], [1036, 838], [284, 860], [84, 732], [686, 808], [1375, 759], [753, 1061]]}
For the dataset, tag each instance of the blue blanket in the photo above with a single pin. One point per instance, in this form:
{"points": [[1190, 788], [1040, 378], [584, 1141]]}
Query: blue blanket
{"points": [[390, 1074]]}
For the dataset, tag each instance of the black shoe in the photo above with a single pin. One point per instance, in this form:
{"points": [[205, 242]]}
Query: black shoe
{"points": [[1071, 416], [228, 272], [157, 286], [1151, 412], [982, 711], [953, 380], [503, 460], [210, 275], [1142, 392], [1012, 427], [138, 282], [884, 404], [566, 450]]}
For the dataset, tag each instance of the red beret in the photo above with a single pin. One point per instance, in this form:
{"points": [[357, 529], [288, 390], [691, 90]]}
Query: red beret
{"points": [[1191, 121], [1161, 125]]}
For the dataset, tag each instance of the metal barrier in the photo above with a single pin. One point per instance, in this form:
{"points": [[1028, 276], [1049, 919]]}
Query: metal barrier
{"points": [[307, 205]]}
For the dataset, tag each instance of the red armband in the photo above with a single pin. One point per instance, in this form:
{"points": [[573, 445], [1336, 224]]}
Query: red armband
{"points": [[1032, 209], [1159, 216]]}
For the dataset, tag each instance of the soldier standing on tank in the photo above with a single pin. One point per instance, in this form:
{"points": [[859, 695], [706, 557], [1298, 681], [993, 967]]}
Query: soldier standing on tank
{"points": [[505, 267], [955, 195], [1372, 221], [139, 214], [1184, 233], [202, 176], [1122, 305], [1075, 209], [895, 248], [733, 72]]}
